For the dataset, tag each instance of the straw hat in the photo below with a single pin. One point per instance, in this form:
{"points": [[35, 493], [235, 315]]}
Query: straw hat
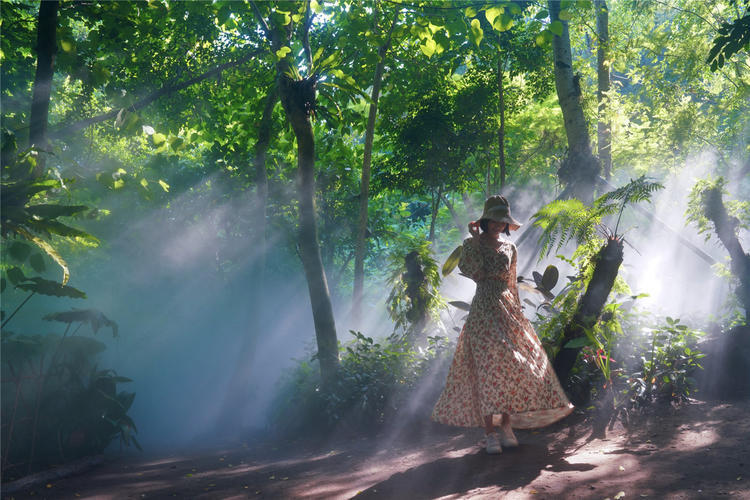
{"points": [[497, 208]]}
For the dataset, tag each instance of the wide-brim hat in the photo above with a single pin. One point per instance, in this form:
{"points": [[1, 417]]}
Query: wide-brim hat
{"points": [[497, 208]]}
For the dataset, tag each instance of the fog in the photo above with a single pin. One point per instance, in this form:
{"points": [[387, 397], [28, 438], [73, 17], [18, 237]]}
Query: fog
{"points": [[205, 347]]}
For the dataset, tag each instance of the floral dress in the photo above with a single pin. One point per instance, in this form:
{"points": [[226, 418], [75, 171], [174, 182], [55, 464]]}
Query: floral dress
{"points": [[499, 365]]}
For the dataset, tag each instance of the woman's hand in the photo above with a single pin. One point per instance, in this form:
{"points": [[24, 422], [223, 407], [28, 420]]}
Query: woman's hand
{"points": [[474, 228]]}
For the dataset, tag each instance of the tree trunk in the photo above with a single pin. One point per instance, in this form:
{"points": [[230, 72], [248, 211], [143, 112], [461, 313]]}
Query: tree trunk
{"points": [[433, 218], [261, 179], [726, 230], [364, 195], [501, 130], [454, 215], [603, 126], [580, 169], [46, 48], [298, 99], [608, 261]]}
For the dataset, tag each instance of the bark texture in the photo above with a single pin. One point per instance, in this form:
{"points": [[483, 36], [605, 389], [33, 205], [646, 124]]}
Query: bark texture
{"points": [[726, 229], [46, 48], [590, 305], [603, 126], [580, 169], [298, 99]]}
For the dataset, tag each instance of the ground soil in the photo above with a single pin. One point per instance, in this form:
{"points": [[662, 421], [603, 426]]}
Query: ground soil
{"points": [[699, 450]]}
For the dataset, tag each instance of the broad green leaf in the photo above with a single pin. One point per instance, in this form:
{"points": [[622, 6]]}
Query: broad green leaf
{"points": [[282, 52], [565, 15], [118, 184], [19, 251], [37, 263], [158, 139], [542, 14], [470, 12], [556, 27], [67, 45], [164, 185], [49, 250], [51, 288], [144, 183], [476, 34], [503, 23], [577, 343], [428, 47], [316, 7], [492, 13], [51, 211], [452, 261], [15, 275], [459, 304]]}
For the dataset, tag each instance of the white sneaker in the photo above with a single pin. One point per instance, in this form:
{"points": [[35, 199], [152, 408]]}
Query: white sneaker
{"points": [[493, 444], [508, 439]]}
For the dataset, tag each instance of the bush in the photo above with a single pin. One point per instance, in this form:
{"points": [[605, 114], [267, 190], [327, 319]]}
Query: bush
{"points": [[56, 404], [376, 381]]}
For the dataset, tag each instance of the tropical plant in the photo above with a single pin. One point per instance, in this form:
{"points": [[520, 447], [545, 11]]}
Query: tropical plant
{"points": [[57, 405]]}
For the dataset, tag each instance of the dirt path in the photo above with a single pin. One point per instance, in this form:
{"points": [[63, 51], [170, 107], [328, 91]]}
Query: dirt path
{"points": [[698, 451]]}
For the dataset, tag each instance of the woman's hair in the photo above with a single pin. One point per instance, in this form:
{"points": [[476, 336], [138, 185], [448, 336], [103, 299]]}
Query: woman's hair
{"points": [[483, 223]]}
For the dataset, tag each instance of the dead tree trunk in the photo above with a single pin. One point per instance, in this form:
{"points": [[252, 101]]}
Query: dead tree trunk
{"points": [[580, 169], [603, 126], [608, 261], [46, 48]]}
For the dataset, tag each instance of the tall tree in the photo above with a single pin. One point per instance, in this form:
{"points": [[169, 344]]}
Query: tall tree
{"points": [[298, 100], [46, 47], [580, 170], [364, 195], [603, 125]]}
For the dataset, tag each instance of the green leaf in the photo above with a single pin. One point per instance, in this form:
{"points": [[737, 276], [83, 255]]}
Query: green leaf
{"points": [[282, 52], [19, 251], [118, 184], [158, 139], [460, 305], [316, 7], [428, 47], [542, 14], [504, 23], [144, 183], [565, 15], [492, 13], [476, 34], [556, 27], [37, 263], [577, 343], [50, 211], [51, 288], [15, 275], [164, 185], [452, 261], [470, 12]]}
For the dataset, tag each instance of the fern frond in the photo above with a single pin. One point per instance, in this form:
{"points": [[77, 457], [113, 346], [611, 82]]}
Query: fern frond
{"points": [[561, 221]]}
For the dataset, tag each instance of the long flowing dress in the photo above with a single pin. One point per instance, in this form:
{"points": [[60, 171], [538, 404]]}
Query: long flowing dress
{"points": [[499, 365]]}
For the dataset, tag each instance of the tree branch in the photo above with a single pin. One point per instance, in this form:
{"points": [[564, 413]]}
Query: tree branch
{"points": [[64, 130]]}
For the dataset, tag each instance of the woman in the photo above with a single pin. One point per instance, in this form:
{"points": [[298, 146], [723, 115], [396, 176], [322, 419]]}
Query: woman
{"points": [[500, 370]]}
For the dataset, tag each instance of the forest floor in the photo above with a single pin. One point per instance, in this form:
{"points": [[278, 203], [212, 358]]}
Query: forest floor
{"points": [[699, 450]]}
